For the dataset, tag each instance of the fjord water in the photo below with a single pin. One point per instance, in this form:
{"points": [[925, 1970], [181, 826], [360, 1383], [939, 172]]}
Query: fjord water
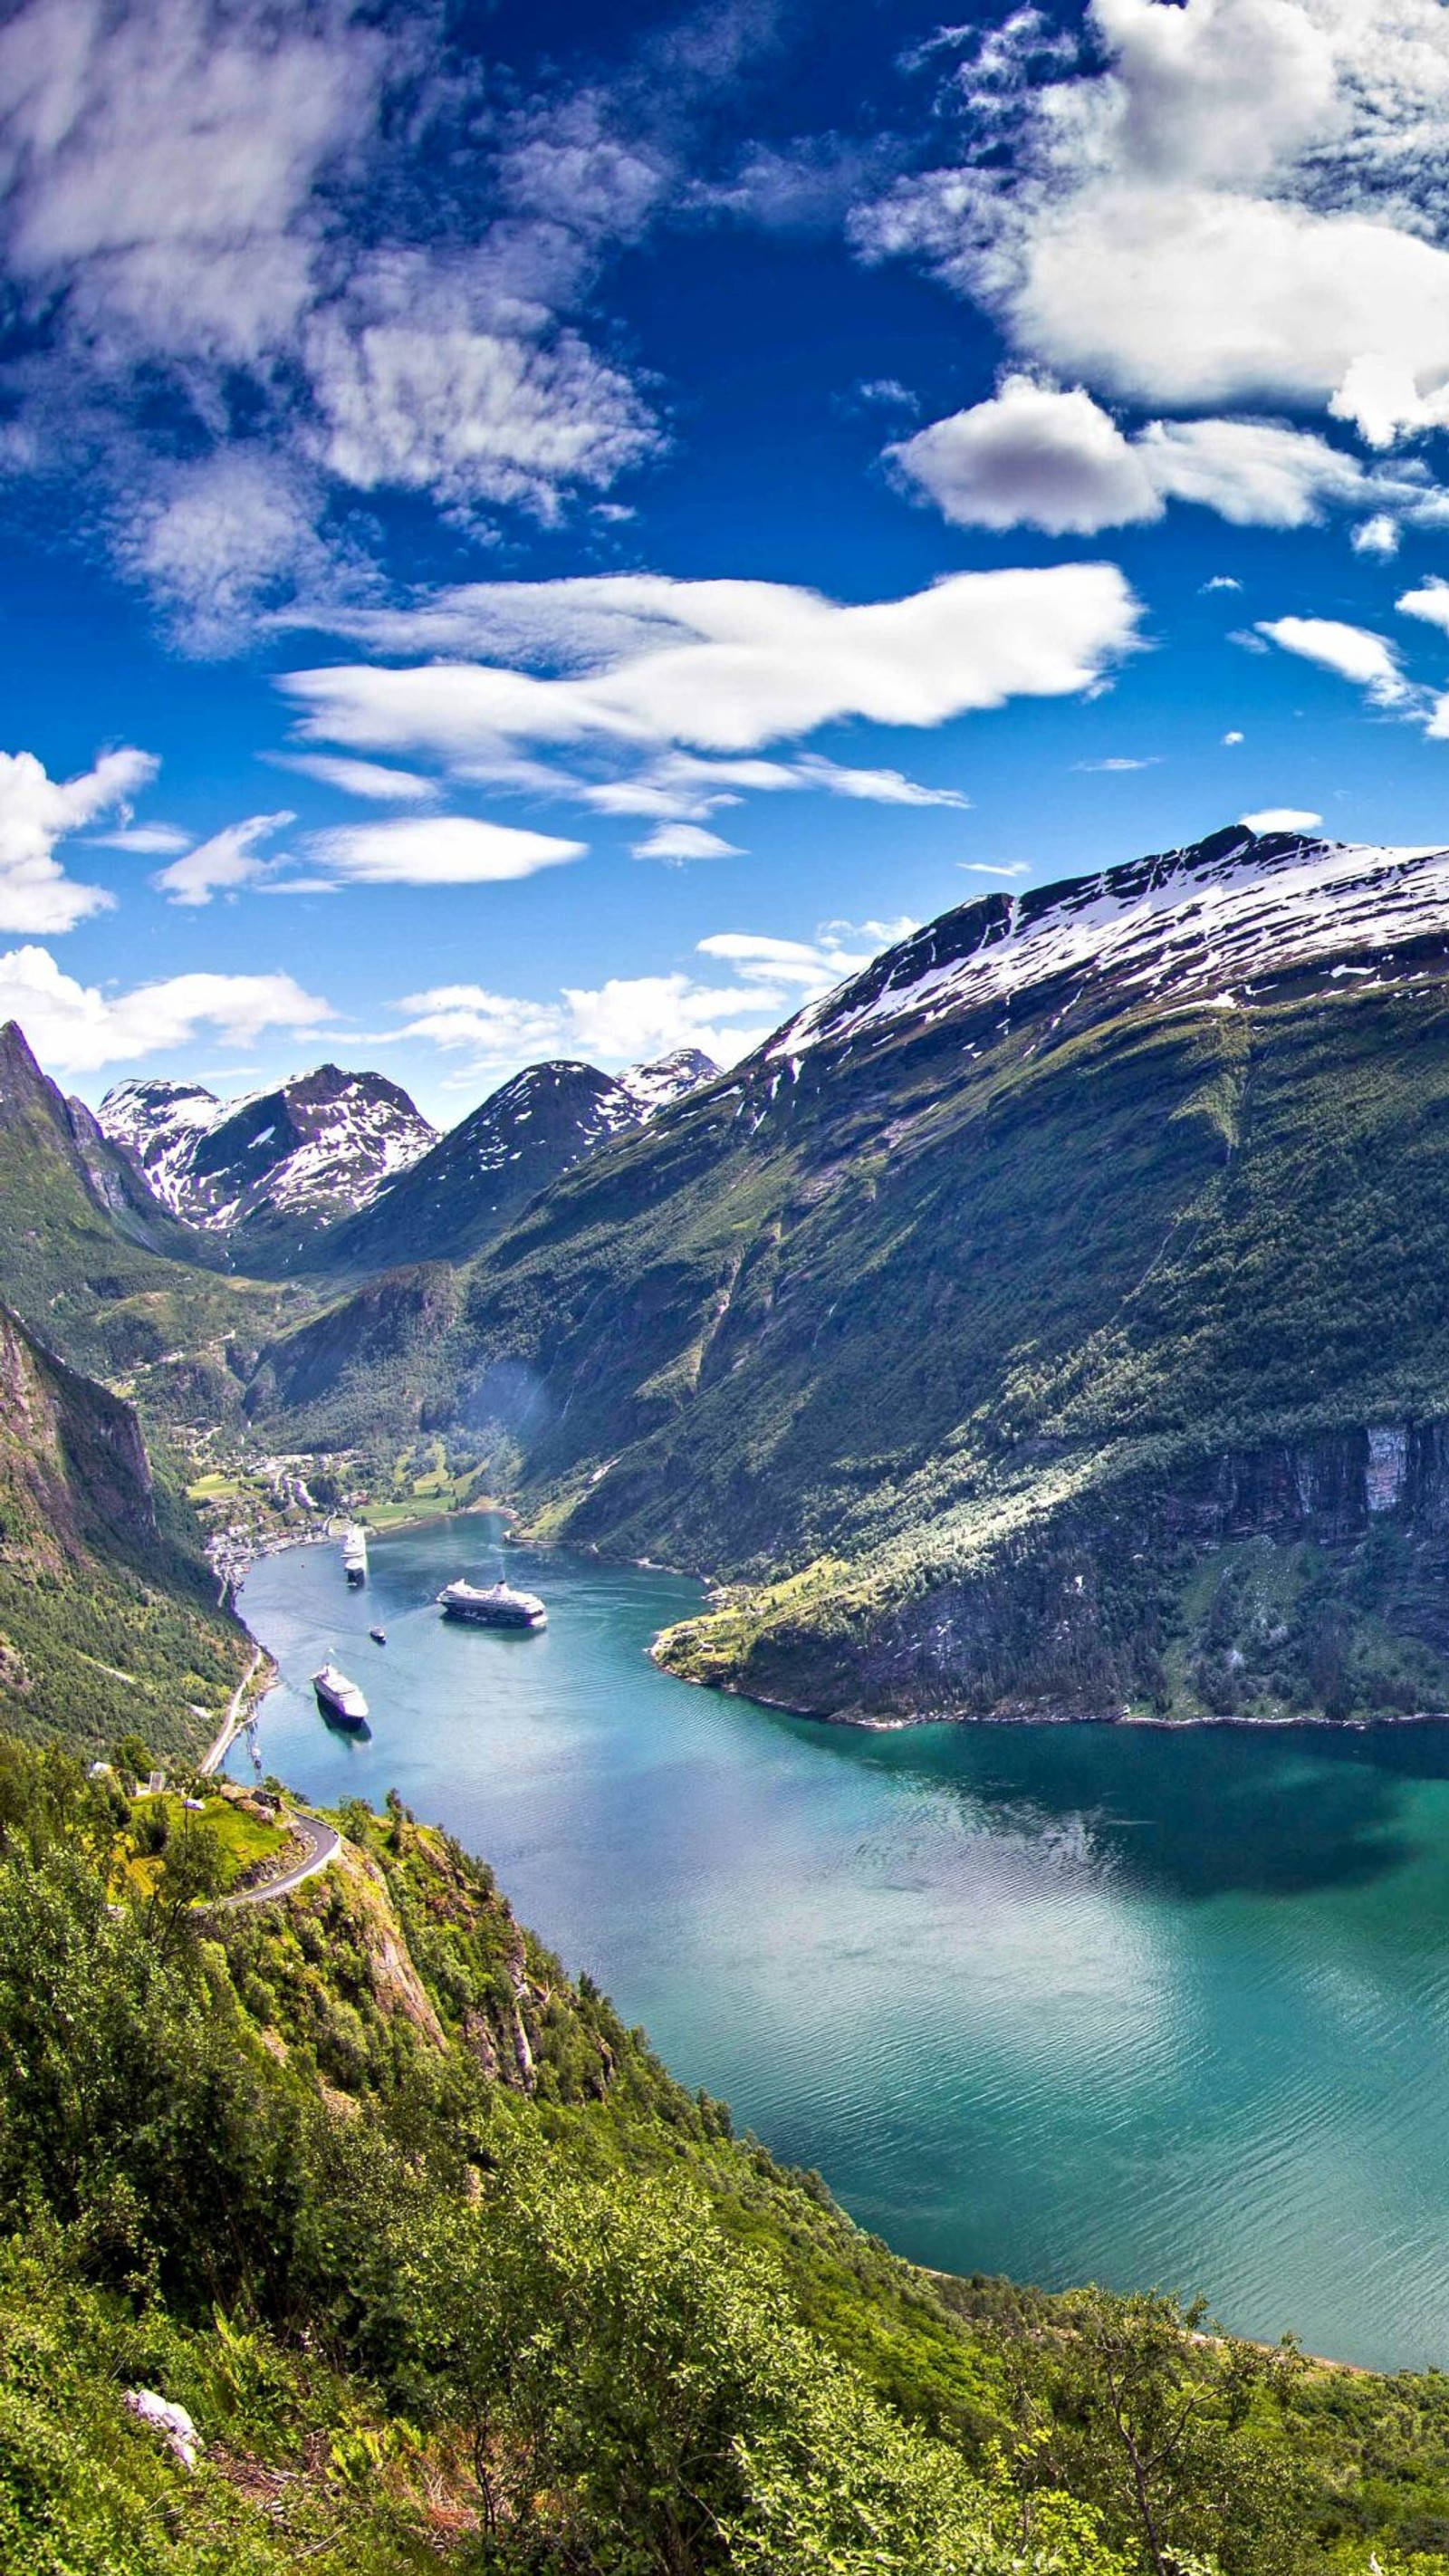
{"points": [[1062, 2002]]}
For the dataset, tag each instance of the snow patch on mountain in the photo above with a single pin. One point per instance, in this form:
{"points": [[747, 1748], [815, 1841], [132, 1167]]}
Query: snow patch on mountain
{"points": [[318, 1147], [1199, 922]]}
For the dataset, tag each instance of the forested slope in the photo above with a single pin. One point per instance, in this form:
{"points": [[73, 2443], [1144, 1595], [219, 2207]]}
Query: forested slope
{"points": [[447, 2272]]}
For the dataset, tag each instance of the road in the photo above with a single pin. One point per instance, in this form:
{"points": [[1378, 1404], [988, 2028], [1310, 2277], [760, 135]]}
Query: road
{"points": [[323, 1843], [231, 1725]]}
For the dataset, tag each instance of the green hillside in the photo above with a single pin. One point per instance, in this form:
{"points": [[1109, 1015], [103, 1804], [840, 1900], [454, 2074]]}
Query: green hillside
{"points": [[108, 1620], [100, 1271], [447, 2272], [1006, 1360]]}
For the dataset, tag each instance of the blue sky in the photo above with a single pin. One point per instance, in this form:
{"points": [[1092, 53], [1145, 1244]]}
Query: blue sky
{"points": [[543, 530]]}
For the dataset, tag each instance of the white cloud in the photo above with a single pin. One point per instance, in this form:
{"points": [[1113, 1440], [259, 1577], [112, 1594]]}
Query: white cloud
{"points": [[984, 868], [367, 778], [218, 539], [1038, 457], [142, 840], [1213, 203], [630, 1016], [1030, 457], [1281, 818], [1430, 601], [1377, 536], [417, 396], [874, 786], [677, 842], [233, 237], [78, 1027], [682, 785], [36, 813], [1353, 651], [1221, 581], [159, 162], [1114, 767], [1229, 739], [435, 850], [746, 663], [812, 965], [229, 860]]}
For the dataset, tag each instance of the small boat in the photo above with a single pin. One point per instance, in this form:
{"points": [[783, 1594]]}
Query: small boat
{"points": [[378, 1636], [495, 1605], [339, 1699], [354, 1554]]}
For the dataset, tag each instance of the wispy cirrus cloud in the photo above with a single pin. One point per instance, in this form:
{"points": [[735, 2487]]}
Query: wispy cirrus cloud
{"points": [[246, 298]]}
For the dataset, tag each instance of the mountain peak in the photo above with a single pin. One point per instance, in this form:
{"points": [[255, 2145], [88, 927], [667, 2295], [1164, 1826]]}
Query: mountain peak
{"points": [[315, 1148], [1202, 922]]}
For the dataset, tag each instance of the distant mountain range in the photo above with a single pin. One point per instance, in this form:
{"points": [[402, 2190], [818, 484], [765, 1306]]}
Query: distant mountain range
{"points": [[336, 1170]]}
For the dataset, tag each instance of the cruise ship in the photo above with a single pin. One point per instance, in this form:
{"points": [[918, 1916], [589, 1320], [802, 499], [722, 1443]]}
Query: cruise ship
{"points": [[338, 1698], [495, 1605], [354, 1554]]}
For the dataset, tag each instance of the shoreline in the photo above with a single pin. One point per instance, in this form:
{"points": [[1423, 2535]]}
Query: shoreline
{"points": [[865, 1723]]}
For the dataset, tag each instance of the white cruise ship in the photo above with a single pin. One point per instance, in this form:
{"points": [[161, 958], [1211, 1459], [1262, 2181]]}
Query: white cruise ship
{"points": [[354, 1554], [338, 1698], [495, 1605]]}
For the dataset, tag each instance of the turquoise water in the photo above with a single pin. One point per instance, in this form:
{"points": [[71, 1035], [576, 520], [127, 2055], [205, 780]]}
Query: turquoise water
{"points": [[1054, 2001]]}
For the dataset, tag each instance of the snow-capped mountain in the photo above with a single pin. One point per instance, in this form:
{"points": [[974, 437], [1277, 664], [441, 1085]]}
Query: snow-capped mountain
{"points": [[669, 1078], [1210, 921], [517, 1141], [317, 1148]]}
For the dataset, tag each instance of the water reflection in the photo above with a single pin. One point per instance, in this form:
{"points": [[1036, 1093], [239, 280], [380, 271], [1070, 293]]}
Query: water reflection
{"points": [[1055, 2001]]}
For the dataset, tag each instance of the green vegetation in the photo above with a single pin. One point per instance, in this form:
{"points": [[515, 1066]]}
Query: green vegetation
{"points": [[448, 2272], [956, 1352], [108, 1616]]}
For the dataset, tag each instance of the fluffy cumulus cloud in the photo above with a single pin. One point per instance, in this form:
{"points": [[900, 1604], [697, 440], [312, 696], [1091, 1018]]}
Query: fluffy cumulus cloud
{"points": [[36, 814], [242, 224], [634, 1016], [77, 1027], [726, 667], [1203, 205], [1037, 456]]}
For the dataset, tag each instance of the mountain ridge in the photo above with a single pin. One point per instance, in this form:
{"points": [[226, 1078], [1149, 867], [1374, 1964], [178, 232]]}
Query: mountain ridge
{"points": [[985, 1262]]}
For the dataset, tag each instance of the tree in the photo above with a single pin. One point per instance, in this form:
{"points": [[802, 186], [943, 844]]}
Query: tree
{"points": [[1149, 2413]]}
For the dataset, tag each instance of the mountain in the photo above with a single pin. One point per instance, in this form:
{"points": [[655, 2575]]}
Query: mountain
{"points": [[101, 1270], [270, 1170], [485, 1170], [1054, 1318], [108, 1623]]}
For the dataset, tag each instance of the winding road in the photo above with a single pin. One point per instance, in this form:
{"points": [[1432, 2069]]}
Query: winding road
{"points": [[323, 1844], [233, 1722]]}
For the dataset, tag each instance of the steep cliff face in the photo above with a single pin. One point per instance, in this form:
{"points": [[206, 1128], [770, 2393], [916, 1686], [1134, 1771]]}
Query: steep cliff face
{"points": [[108, 1623]]}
